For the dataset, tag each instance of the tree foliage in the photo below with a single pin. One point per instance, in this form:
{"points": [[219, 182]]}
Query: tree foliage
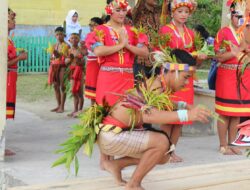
{"points": [[208, 14]]}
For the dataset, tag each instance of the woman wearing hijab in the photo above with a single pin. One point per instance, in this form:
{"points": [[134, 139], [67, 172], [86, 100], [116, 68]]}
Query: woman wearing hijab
{"points": [[72, 24]]}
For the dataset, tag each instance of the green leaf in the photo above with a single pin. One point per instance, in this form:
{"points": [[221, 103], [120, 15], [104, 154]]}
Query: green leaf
{"points": [[61, 160], [76, 165]]}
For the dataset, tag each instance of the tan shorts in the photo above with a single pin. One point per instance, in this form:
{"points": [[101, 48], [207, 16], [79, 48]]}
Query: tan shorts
{"points": [[126, 143]]}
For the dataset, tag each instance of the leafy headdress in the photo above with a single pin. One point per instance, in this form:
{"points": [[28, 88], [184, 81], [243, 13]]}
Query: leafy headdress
{"points": [[165, 60]]}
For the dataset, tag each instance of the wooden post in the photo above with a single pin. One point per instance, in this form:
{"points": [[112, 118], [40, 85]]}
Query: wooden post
{"points": [[3, 71]]}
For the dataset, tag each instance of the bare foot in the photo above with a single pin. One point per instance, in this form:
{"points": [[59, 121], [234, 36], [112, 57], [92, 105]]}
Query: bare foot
{"points": [[236, 150], [226, 150], [60, 110], [71, 114], [131, 187], [55, 109], [115, 170], [9, 153], [174, 158]]}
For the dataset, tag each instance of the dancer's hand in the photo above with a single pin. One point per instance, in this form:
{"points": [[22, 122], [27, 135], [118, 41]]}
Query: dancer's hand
{"points": [[23, 56], [67, 61], [123, 38], [200, 114], [202, 56], [189, 107], [84, 48]]}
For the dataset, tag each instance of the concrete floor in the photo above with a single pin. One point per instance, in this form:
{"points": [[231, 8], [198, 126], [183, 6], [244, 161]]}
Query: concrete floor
{"points": [[35, 135]]}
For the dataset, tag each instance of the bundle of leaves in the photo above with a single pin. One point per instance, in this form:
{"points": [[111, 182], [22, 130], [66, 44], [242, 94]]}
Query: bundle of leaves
{"points": [[160, 40], [81, 135], [248, 152], [66, 81], [202, 46], [143, 98], [198, 41]]}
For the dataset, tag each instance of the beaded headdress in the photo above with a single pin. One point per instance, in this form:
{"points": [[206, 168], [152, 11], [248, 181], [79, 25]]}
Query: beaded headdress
{"points": [[123, 4], [191, 4]]}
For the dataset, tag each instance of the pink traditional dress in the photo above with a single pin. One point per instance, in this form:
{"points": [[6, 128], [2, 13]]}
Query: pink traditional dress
{"points": [[116, 70], [183, 41], [227, 101]]}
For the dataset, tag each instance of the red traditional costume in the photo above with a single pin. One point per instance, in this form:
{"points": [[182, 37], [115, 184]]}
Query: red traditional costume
{"points": [[11, 81], [92, 70], [185, 42], [116, 72], [227, 100], [57, 61], [76, 70]]}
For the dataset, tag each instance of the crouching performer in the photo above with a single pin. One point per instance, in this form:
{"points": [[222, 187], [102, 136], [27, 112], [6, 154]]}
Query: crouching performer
{"points": [[118, 129]]}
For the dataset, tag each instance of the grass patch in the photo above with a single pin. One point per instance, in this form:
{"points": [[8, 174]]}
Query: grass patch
{"points": [[31, 87]]}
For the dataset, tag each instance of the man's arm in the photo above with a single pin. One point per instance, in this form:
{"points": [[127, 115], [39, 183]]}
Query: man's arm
{"points": [[164, 117]]}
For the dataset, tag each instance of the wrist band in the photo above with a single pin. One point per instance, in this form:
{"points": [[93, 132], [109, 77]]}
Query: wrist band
{"points": [[96, 45], [182, 115], [181, 105], [140, 45]]}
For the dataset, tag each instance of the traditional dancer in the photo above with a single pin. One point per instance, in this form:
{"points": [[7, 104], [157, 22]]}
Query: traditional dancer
{"points": [[116, 46], [183, 38], [59, 52], [231, 103], [76, 61], [13, 59], [93, 67], [119, 129]]}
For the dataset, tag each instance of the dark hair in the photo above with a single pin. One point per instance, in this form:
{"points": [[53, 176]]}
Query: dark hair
{"points": [[183, 56], [109, 1], [75, 14], [77, 34], [202, 31], [59, 29], [97, 20], [169, 7], [129, 16]]}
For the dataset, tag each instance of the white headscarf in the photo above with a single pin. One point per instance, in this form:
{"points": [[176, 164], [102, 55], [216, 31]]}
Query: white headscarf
{"points": [[71, 27]]}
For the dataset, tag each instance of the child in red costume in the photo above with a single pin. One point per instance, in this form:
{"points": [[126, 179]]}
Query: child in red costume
{"points": [[76, 61], [59, 52]]}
